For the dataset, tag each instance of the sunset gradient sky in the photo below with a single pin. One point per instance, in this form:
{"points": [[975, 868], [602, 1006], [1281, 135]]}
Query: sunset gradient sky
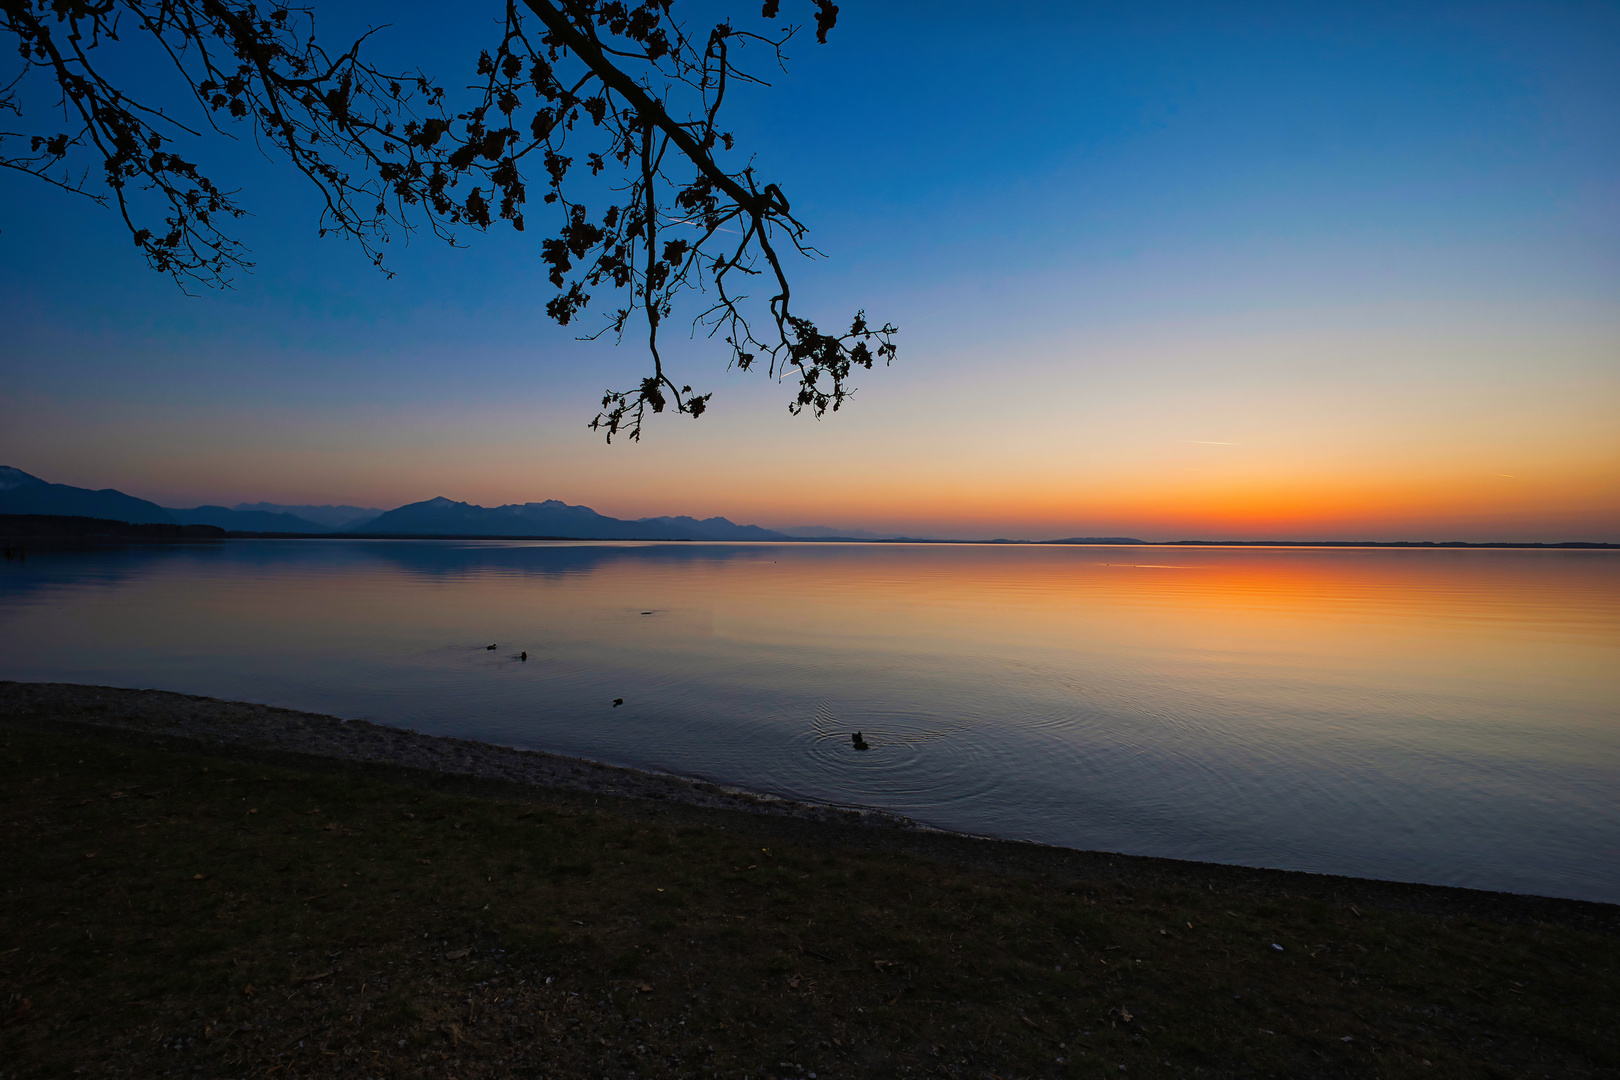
{"points": [[1169, 270]]}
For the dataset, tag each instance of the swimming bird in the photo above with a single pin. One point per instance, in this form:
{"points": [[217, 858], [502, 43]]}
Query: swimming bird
{"points": [[617, 702], [860, 742], [524, 655], [492, 647]]}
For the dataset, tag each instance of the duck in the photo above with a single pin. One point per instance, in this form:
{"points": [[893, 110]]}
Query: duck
{"points": [[860, 742], [524, 655], [617, 702], [491, 648]]}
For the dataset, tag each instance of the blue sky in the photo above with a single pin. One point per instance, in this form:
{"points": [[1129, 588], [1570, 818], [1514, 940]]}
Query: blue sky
{"points": [[1160, 269]]}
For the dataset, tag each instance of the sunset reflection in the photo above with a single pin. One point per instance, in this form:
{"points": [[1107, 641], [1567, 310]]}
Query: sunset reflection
{"points": [[1431, 715]]}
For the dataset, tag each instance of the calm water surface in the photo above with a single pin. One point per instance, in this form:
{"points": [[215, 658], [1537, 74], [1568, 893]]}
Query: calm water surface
{"points": [[1442, 716]]}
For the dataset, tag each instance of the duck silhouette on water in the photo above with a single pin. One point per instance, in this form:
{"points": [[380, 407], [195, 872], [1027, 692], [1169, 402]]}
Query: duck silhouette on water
{"points": [[860, 742]]}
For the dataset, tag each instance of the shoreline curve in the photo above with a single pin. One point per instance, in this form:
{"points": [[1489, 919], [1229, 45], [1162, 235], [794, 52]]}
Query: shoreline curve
{"points": [[288, 736]]}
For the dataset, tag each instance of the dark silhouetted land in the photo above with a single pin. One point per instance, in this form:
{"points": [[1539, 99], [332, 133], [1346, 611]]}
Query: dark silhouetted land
{"points": [[72, 527], [178, 908]]}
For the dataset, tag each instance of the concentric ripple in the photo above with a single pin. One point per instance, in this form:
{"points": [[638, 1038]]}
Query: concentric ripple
{"points": [[913, 761], [1436, 716]]}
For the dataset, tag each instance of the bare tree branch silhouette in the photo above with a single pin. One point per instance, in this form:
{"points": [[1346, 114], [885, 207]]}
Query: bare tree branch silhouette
{"points": [[570, 85]]}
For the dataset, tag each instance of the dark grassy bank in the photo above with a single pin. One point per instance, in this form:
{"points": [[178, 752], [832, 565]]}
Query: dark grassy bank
{"points": [[173, 912]]}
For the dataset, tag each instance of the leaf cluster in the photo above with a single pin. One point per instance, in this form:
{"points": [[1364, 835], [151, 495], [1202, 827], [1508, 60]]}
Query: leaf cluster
{"points": [[618, 89]]}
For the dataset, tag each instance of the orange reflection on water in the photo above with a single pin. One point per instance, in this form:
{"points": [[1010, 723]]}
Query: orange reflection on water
{"points": [[1398, 621], [1439, 715]]}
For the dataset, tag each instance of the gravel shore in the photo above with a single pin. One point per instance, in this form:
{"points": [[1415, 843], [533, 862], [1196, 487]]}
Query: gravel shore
{"points": [[156, 717], [213, 722]]}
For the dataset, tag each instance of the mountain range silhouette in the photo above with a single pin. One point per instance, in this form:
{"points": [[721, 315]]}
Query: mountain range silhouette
{"points": [[24, 493]]}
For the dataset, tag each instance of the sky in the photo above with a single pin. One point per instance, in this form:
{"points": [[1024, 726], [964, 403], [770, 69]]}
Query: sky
{"points": [[1167, 270]]}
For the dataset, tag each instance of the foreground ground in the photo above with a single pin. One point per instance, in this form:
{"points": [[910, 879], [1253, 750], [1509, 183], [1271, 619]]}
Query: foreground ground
{"points": [[172, 909]]}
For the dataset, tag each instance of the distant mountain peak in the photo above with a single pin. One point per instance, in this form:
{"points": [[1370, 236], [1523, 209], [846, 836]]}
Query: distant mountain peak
{"points": [[715, 528], [687, 519], [246, 520], [22, 493], [446, 517], [329, 516], [10, 478]]}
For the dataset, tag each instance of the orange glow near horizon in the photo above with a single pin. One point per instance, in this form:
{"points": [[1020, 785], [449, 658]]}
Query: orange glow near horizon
{"points": [[1242, 447], [1577, 498]]}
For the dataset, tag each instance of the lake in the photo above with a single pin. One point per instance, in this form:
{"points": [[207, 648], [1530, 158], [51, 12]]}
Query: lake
{"points": [[1443, 716]]}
